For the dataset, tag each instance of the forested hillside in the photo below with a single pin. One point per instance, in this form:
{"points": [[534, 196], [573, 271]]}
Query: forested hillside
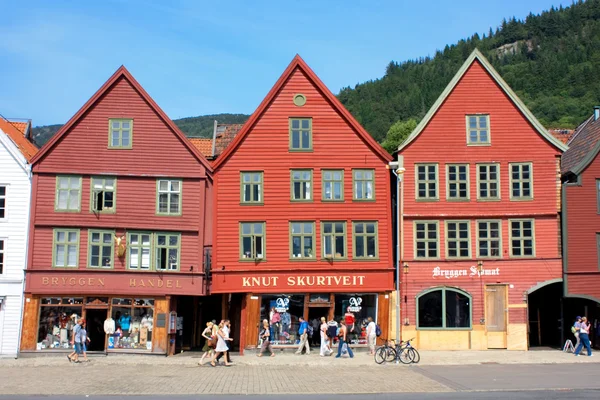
{"points": [[551, 60]]}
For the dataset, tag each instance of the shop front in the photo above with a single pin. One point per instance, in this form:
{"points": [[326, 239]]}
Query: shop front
{"points": [[124, 312]]}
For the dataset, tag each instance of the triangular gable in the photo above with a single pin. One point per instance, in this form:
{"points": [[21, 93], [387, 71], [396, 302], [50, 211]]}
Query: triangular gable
{"points": [[299, 63], [124, 73], [17, 133], [13, 150], [476, 55]]}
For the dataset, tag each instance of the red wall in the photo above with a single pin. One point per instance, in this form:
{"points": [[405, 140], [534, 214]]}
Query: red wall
{"points": [[266, 148]]}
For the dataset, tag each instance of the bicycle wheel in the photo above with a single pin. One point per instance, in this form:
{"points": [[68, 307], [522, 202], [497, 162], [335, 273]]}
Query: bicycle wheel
{"points": [[381, 355], [405, 356], [416, 356], [391, 354]]}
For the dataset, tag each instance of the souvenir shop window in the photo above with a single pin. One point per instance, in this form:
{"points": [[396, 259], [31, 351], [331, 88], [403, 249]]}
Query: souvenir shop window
{"points": [[133, 321], [444, 308], [58, 317], [282, 311], [354, 309]]}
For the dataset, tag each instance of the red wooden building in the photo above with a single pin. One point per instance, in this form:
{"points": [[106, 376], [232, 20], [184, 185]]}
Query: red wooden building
{"points": [[581, 221], [481, 242], [118, 232], [303, 214]]}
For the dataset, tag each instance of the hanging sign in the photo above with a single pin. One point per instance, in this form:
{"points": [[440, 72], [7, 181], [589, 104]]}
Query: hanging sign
{"points": [[471, 272], [355, 303], [282, 304]]}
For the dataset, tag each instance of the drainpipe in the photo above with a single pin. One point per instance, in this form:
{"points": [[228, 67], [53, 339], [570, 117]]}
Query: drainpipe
{"points": [[398, 171]]}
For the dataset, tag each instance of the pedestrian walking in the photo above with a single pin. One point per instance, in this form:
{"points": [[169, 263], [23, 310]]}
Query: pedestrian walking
{"points": [[84, 340], [265, 335], [371, 335], [227, 330], [325, 350], [343, 335], [303, 333], [209, 343], [74, 356], [584, 332], [222, 339], [575, 329]]}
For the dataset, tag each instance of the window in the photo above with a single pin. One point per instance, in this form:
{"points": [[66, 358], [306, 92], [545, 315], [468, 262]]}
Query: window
{"points": [[135, 319], [597, 249], [458, 239], [139, 247], [427, 181], [103, 195], [488, 181], [1, 256], [478, 131], [521, 181], [489, 238], [522, 240], [444, 308], [2, 202], [252, 187], [300, 134], [362, 305], [302, 240], [121, 133], [333, 185], [169, 197], [365, 240], [364, 184], [66, 248], [301, 185], [167, 251], [458, 182], [334, 240], [55, 313], [427, 239], [284, 308], [68, 193], [597, 195], [252, 245], [101, 249]]}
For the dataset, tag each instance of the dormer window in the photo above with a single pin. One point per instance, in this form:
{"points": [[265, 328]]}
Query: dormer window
{"points": [[478, 130], [120, 133]]}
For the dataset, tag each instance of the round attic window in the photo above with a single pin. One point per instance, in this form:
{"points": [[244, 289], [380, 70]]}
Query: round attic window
{"points": [[299, 100]]}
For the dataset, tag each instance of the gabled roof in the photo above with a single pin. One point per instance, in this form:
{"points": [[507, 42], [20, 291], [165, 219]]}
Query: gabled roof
{"points": [[122, 72], [17, 131], [583, 147], [477, 56], [204, 145], [298, 63]]}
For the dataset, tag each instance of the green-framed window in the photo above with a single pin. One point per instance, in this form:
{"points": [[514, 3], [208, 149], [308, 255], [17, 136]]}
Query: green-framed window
{"points": [[333, 185], [168, 196], [65, 248], [100, 249], [301, 180], [522, 237], [478, 130], [363, 184], [489, 239], [334, 239], [488, 181], [426, 182], [301, 134], [444, 308], [457, 182], [302, 240], [167, 251], [427, 239], [104, 194], [366, 243], [252, 187], [121, 133], [139, 250], [68, 193], [252, 241], [458, 239], [521, 181]]}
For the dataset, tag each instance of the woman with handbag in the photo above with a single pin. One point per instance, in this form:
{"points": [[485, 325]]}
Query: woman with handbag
{"points": [[265, 335], [210, 342]]}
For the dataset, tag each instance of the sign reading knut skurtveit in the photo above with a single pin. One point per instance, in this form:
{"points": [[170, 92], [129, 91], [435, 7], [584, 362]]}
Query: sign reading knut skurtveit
{"points": [[470, 272]]}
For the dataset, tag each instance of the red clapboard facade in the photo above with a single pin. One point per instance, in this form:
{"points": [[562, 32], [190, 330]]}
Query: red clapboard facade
{"points": [[117, 229], [481, 228], [303, 214]]}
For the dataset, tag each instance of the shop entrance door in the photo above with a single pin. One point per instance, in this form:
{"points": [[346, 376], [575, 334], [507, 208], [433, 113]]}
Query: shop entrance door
{"points": [[315, 314], [95, 329], [495, 316]]}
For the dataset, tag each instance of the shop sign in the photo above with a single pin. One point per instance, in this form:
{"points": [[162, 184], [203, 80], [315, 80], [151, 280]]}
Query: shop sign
{"points": [[282, 304], [64, 281], [355, 303], [300, 280], [471, 272]]}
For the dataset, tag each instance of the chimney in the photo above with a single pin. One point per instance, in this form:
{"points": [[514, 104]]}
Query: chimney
{"points": [[596, 113]]}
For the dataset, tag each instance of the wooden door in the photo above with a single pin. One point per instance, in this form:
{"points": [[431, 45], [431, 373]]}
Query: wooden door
{"points": [[495, 316]]}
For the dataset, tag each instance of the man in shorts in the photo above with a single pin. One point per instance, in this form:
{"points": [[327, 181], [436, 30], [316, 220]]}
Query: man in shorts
{"points": [[76, 340]]}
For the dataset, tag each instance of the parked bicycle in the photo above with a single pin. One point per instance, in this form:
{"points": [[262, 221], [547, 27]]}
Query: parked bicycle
{"points": [[391, 352]]}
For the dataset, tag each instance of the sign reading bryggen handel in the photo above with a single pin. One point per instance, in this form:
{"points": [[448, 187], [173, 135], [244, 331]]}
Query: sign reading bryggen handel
{"points": [[471, 272]]}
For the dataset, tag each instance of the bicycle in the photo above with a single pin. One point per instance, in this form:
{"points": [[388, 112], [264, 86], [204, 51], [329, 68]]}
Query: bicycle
{"points": [[404, 353]]}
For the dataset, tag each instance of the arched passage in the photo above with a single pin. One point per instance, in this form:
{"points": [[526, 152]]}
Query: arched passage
{"points": [[545, 320], [588, 306]]}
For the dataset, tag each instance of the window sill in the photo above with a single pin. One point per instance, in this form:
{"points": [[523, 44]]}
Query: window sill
{"points": [[301, 150], [364, 200], [486, 200], [246, 204], [521, 199], [479, 144], [100, 268], [459, 258], [119, 148], [166, 270], [301, 201], [252, 260], [490, 257], [427, 258], [332, 201], [365, 259], [67, 211], [61, 267], [334, 259], [522, 257], [461, 200], [103, 212], [446, 329], [426, 200], [300, 259], [167, 215]]}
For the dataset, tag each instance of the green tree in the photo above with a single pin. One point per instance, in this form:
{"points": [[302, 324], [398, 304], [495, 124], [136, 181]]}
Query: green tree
{"points": [[397, 134]]}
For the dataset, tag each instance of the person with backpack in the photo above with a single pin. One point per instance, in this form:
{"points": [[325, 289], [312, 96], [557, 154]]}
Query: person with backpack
{"points": [[303, 332], [575, 330], [584, 331], [371, 335]]}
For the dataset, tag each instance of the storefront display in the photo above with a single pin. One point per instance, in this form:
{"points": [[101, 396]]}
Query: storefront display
{"points": [[282, 311], [354, 309], [58, 316], [133, 321]]}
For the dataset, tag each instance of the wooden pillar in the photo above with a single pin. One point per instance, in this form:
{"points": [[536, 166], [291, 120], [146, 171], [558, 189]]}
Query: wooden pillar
{"points": [[224, 306], [30, 322]]}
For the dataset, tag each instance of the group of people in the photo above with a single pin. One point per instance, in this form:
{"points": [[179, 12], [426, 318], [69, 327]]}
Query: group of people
{"points": [[80, 341], [216, 345], [581, 330]]}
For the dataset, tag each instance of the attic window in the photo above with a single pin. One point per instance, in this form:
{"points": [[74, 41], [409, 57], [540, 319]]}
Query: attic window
{"points": [[299, 100], [478, 130], [120, 133]]}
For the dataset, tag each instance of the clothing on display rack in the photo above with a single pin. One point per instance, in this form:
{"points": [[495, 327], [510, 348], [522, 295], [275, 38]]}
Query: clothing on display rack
{"points": [[125, 322], [109, 326]]}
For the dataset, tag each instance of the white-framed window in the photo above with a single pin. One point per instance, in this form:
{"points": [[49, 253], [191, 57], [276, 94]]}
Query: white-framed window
{"points": [[3, 213], [478, 130], [2, 250], [168, 201]]}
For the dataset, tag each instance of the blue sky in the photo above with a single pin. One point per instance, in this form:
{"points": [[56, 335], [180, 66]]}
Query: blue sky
{"points": [[201, 57]]}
